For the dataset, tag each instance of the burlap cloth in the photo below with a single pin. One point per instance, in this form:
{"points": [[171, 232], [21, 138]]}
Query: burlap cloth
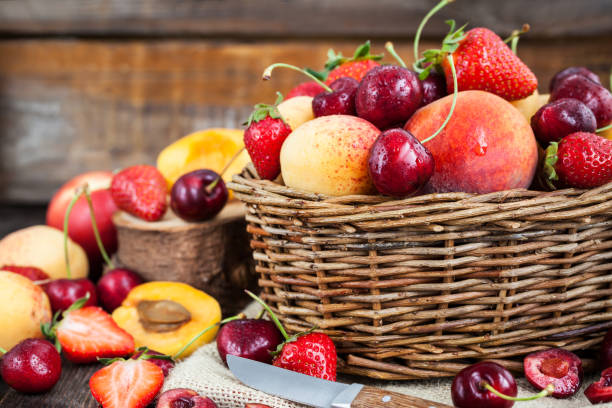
{"points": [[205, 373]]}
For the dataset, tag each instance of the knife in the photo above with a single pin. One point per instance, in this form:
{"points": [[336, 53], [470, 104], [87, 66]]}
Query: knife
{"points": [[316, 392]]}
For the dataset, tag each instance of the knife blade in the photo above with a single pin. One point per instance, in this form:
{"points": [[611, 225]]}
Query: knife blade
{"points": [[316, 392]]}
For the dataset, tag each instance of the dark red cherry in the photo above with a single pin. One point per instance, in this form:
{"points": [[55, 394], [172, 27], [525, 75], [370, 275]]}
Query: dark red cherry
{"points": [[434, 88], [193, 199], [32, 366], [388, 96], [339, 102], [184, 398], [399, 164], [555, 366], [467, 390], [597, 98], [115, 285], [63, 293], [555, 120], [605, 356], [601, 391], [561, 75], [249, 338]]}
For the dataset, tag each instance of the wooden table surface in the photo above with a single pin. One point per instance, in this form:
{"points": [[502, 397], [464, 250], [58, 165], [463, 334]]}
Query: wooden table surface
{"points": [[71, 391]]}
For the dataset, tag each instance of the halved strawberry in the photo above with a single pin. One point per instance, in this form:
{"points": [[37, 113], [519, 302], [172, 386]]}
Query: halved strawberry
{"points": [[31, 272], [141, 191], [126, 384], [88, 334]]}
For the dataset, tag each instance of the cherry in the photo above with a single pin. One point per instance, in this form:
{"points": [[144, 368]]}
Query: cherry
{"points": [[198, 195], [606, 351], [601, 391], [115, 285], [561, 75], [249, 338], [184, 398], [561, 368], [310, 88], [166, 364], [388, 95], [594, 96], [468, 391], [32, 366], [434, 87], [399, 164], [63, 293], [555, 120], [339, 102]]}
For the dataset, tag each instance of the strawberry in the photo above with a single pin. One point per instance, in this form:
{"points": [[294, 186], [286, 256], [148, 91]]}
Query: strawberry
{"points": [[126, 384], [31, 272], [266, 131], [355, 67], [582, 160], [310, 88], [307, 353], [312, 354], [141, 191], [88, 333]]}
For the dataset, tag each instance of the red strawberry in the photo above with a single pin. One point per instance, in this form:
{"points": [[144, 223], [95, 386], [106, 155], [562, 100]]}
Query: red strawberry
{"points": [[484, 62], [141, 191], [126, 384], [88, 334], [582, 160], [355, 67], [31, 272], [312, 354], [264, 138], [310, 88]]}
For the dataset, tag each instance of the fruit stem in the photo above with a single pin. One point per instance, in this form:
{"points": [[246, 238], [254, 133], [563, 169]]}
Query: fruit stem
{"points": [[452, 108], [3, 351], [200, 334], [94, 226], [514, 37], [389, 47], [417, 36], [77, 194], [212, 185], [603, 129], [548, 390], [267, 74], [270, 313]]}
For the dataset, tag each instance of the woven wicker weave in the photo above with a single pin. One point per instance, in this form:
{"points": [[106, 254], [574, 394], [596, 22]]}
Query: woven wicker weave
{"points": [[420, 287]]}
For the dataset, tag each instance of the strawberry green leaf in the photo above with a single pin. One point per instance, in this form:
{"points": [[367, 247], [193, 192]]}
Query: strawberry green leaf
{"points": [[320, 75], [109, 361], [550, 160], [362, 50], [262, 111]]}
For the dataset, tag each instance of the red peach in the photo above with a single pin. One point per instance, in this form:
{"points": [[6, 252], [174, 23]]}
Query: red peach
{"points": [[486, 146]]}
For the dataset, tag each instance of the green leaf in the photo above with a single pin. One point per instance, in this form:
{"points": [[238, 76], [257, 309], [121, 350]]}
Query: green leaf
{"points": [[279, 98], [362, 51], [550, 160], [320, 75], [109, 361]]}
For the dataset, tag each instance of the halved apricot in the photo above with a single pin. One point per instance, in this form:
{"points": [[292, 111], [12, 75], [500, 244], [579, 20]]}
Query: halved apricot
{"points": [[165, 316]]}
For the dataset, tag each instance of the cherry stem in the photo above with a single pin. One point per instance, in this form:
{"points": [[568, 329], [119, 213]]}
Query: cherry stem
{"points": [[212, 185], [77, 194], [452, 108], [200, 334], [417, 36], [603, 129], [514, 37], [267, 74], [270, 313], [3, 351], [94, 226], [548, 390], [389, 47]]}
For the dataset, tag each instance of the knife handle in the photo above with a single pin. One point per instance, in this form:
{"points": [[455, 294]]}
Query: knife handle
{"points": [[370, 397]]}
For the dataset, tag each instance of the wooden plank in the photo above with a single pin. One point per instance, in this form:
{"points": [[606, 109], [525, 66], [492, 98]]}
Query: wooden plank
{"points": [[71, 391], [67, 106], [17, 216], [296, 18]]}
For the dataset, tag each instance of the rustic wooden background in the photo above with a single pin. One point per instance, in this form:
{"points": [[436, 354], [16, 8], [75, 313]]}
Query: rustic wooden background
{"points": [[101, 84]]}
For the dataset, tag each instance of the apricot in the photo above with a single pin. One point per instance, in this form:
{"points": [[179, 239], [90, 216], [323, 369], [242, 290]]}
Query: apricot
{"points": [[296, 111], [23, 307], [165, 316], [529, 106], [206, 149], [329, 155], [43, 247], [487, 145]]}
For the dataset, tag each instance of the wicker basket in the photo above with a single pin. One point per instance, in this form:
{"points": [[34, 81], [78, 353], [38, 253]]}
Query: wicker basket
{"points": [[420, 287]]}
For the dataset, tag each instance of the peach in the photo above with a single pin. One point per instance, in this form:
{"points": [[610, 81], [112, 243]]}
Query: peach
{"points": [[296, 111], [487, 145], [329, 155], [23, 307], [529, 106], [43, 247]]}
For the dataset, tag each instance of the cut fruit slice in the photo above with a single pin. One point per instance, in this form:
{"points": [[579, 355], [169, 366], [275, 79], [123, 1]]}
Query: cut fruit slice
{"points": [[555, 366]]}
